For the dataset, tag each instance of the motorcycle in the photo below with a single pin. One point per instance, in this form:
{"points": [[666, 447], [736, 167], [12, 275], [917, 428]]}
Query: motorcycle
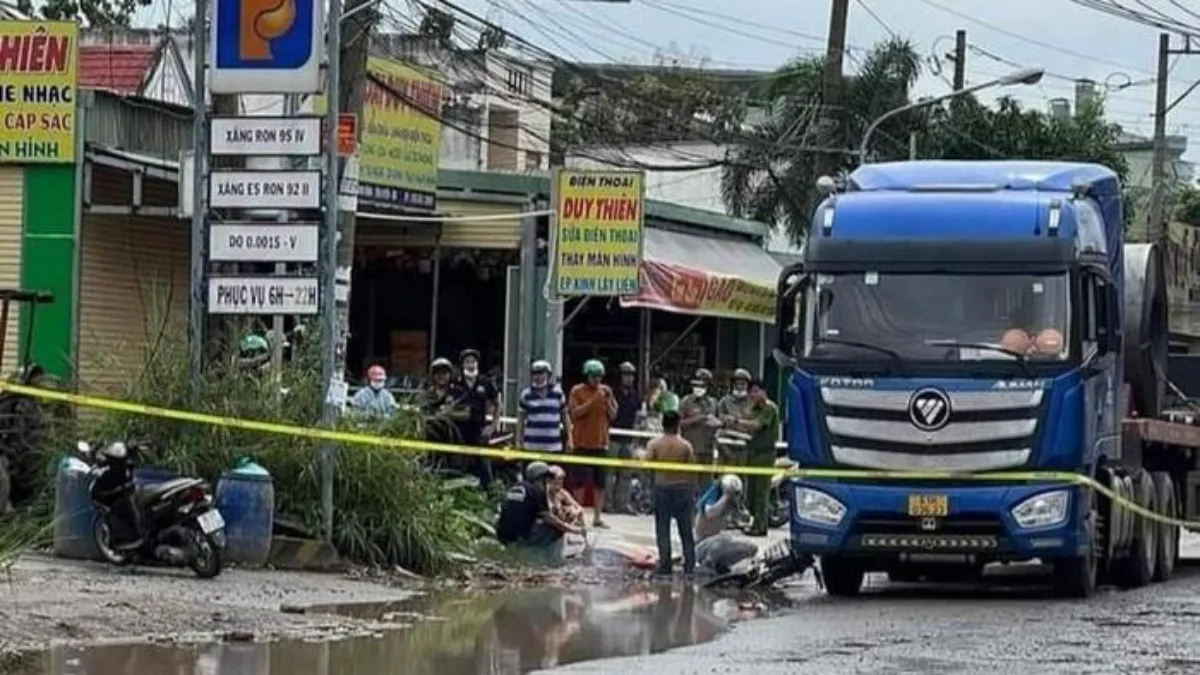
{"points": [[764, 569], [174, 522], [780, 499]]}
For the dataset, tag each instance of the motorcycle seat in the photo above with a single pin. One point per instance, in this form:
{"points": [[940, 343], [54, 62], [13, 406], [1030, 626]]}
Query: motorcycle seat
{"points": [[159, 490]]}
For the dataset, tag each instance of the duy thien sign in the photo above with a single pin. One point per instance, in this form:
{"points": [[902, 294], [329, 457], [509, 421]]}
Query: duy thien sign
{"points": [[38, 68], [598, 231], [263, 295], [266, 46]]}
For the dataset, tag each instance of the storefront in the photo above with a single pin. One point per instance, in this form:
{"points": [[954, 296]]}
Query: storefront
{"points": [[12, 207], [426, 286]]}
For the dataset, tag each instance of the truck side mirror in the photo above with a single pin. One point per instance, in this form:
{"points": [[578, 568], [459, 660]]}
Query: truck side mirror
{"points": [[789, 308]]}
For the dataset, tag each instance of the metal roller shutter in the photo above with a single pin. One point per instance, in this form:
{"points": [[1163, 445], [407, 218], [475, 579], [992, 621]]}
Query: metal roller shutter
{"points": [[393, 234], [134, 277], [500, 233], [12, 208]]}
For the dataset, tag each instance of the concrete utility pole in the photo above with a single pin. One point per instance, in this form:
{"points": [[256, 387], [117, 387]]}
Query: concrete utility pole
{"points": [[960, 59], [196, 315], [831, 80], [1156, 229]]}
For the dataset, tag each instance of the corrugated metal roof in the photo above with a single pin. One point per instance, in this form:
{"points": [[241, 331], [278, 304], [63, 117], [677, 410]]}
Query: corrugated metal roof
{"points": [[121, 68]]}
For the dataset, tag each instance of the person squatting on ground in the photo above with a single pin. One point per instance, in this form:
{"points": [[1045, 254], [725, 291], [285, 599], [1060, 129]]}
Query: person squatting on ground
{"points": [[527, 524], [542, 419], [718, 551], [761, 421], [561, 501], [629, 406], [374, 400], [479, 396], [674, 495], [592, 407]]}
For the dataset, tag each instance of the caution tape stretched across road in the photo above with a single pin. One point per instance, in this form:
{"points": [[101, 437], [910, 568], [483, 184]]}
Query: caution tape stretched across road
{"points": [[511, 454]]}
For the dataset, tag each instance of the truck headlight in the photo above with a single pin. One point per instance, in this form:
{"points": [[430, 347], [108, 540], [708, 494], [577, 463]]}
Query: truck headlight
{"points": [[1048, 508], [817, 507]]}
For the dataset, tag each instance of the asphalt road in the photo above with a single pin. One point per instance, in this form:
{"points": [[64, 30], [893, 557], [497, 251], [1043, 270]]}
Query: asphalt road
{"points": [[927, 630]]}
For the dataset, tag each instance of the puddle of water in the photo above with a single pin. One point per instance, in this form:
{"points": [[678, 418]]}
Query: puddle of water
{"points": [[481, 635]]}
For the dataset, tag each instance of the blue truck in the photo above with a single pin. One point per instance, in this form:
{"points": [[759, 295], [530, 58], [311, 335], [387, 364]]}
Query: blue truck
{"points": [[981, 317]]}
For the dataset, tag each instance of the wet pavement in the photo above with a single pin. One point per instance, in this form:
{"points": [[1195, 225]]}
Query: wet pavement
{"points": [[489, 634]]}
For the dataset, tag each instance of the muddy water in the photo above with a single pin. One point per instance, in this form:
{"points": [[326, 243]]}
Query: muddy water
{"points": [[481, 635]]}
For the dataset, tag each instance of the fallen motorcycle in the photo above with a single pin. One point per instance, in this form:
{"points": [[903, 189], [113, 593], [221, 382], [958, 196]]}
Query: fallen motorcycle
{"points": [[173, 522], [764, 569], [780, 500]]}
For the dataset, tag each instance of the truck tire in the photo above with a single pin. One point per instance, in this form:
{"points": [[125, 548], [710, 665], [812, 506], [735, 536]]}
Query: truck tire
{"points": [[1136, 569], [1168, 535], [1077, 577], [843, 578]]}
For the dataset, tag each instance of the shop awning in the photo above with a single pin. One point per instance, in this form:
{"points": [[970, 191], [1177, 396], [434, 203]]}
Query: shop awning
{"points": [[691, 274]]}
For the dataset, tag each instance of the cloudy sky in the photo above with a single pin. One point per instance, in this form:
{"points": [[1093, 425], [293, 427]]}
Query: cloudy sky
{"points": [[1067, 40]]}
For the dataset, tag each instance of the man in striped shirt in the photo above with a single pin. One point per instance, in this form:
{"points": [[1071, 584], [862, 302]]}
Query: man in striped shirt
{"points": [[542, 421]]}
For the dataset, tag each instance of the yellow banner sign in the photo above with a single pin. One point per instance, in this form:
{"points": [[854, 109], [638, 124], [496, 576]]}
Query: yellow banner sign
{"points": [[401, 136], [38, 67], [599, 223]]}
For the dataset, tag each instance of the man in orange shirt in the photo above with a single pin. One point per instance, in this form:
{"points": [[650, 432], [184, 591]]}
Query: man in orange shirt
{"points": [[592, 406]]}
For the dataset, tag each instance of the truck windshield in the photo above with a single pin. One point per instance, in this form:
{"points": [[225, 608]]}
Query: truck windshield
{"points": [[938, 317]]}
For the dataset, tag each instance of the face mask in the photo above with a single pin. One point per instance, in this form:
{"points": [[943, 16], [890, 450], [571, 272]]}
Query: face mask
{"points": [[699, 392], [470, 371], [377, 384], [739, 393], [540, 380]]}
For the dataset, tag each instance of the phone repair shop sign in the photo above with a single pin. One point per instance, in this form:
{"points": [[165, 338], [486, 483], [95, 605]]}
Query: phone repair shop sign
{"points": [[263, 242], [264, 190], [263, 295]]}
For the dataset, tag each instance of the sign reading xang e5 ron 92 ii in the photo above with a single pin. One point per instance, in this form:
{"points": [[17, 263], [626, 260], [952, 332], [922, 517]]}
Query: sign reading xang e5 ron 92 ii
{"points": [[38, 65], [600, 217]]}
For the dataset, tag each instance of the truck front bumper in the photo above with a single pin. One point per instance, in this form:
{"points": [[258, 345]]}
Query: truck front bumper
{"points": [[979, 523]]}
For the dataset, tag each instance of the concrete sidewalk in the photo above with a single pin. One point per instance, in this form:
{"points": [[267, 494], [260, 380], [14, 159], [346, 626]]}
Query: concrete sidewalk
{"points": [[639, 530]]}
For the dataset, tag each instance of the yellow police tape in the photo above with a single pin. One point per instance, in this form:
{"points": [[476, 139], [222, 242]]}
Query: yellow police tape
{"points": [[510, 454]]}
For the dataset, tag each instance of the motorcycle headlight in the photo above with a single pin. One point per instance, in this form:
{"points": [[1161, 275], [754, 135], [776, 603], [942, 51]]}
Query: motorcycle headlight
{"points": [[1043, 510], [817, 507]]}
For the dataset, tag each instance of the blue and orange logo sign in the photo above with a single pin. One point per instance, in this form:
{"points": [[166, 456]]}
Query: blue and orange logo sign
{"points": [[264, 34]]}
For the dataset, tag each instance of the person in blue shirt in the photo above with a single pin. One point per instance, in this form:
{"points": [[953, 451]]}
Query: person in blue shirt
{"points": [[717, 551], [375, 400], [543, 423]]}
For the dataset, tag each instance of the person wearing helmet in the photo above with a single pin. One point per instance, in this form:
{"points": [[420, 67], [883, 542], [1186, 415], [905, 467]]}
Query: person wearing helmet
{"points": [[442, 407], [254, 352], [733, 405], [481, 400], [374, 400], [717, 551], [629, 405], [698, 411], [527, 524], [761, 422], [542, 419], [592, 407]]}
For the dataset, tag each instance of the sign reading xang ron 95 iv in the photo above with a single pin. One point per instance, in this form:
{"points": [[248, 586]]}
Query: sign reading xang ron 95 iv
{"points": [[599, 223], [38, 65]]}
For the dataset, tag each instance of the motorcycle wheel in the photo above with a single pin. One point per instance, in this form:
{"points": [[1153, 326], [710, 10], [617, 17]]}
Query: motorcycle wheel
{"points": [[205, 556], [102, 535]]}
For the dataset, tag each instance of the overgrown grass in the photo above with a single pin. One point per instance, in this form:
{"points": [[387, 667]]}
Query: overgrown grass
{"points": [[390, 509]]}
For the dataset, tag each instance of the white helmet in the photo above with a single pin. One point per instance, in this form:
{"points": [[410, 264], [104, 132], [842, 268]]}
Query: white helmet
{"points": [[731, 483]]}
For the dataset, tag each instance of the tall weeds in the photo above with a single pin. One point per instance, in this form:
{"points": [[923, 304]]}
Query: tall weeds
{"points": [[389, 509]]}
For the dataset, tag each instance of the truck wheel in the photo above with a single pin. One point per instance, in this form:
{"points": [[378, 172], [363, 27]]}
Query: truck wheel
{"points": [[1168, 535], [843, 578], [1136, 569], [1076, 577]]}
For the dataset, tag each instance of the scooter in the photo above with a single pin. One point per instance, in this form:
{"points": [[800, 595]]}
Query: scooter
{"points": [[780, 494], [173, 523], [765, 569]]}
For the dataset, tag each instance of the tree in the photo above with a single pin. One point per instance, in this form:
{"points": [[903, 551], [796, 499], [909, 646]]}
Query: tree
{"points": [[95, 13], [771, 174]]}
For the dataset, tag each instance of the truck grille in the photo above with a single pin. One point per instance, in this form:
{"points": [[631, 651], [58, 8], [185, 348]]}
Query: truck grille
{"points": [[964, 533], [986, 430]]}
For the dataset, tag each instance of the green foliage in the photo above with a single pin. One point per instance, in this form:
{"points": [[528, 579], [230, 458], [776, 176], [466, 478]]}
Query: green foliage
{"points": [[96, 13], [772, 174], [390, 509], [1187, 209]]}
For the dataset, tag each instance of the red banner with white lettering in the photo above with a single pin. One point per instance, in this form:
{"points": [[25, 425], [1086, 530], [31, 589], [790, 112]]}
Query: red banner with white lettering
{"points": [[675, 288]]}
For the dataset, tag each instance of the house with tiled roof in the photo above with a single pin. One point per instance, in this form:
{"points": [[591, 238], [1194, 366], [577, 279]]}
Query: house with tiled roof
{"points": [[134, 63]]}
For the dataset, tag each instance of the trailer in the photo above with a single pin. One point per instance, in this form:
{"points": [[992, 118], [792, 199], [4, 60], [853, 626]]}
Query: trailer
{"points": [[983, 318]]}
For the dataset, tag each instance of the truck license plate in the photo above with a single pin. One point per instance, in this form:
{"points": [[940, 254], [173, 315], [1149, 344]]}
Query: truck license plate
{"points": [[210, 521], [928, 506]]}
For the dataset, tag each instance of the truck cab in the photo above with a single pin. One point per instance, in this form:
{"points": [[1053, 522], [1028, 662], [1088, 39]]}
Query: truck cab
{"points": [[963, 317]]}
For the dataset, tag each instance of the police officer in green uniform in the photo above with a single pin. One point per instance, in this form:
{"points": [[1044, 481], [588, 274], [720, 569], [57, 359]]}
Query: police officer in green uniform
{"points": [[761, 421]]}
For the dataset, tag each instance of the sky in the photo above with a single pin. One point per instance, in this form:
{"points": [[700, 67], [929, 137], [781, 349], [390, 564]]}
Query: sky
{"points": [[1068, 40]]}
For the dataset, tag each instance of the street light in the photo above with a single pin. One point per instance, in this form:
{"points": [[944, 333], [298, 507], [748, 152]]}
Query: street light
{"points": [[1025, 76]]}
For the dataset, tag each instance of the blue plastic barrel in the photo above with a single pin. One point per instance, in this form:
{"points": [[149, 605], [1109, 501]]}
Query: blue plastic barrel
{"points": [[246, 499], [73, 512]]}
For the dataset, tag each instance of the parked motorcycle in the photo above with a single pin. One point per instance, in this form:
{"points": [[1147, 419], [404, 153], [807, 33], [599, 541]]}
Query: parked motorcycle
{"points": [[173, 523]]}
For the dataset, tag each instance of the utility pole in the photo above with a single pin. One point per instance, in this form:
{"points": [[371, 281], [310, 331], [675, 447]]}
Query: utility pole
{"points": [[198, 295], [831, 79], [1156, 230], [960, 59]]}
